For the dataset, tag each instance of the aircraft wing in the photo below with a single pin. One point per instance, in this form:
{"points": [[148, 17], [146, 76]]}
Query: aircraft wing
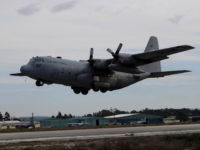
{"points": [[17, 74], [153, 56]]}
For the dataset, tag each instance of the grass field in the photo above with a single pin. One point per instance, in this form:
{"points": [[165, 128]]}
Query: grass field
{"points": [[165, 142]]}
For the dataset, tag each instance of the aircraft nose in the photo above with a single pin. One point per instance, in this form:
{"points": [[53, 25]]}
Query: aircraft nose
{"points": [[23, 69]]}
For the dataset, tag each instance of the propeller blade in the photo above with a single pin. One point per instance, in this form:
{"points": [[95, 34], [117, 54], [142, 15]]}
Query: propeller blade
{"points": [[119, 48], [91, 54], [110, 51]]}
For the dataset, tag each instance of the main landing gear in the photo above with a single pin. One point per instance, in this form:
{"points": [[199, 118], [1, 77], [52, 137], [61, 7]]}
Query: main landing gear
{"points": [[39, 83], [103, 90], [85, 91], [80, 90]]}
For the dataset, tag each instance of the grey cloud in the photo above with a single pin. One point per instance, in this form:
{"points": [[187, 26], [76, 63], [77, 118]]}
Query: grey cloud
{"points": [[28, 10], [112, 12], [176, 19], [119, 11], [64, 6]]}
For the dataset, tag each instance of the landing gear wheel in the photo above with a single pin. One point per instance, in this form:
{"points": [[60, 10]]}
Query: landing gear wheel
{"points": [[95, 89], [84, 92], [39, 83], [103, 90], [76, 90]]}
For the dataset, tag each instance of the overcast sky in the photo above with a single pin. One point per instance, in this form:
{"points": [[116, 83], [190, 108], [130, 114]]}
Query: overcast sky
{"points": [[69, 28]]}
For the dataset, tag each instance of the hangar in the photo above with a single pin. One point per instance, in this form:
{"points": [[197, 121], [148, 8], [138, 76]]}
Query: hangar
{"points": [[53, 123], [72, 122], [136, 118], [89, 121]]}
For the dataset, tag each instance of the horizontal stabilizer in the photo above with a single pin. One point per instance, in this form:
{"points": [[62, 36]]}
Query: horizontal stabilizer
{"points": [[166, 73], [17, 74]]}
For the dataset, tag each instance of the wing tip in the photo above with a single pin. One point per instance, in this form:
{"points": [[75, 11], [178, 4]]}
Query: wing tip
{"points": [[188, 47], [191, 47], [187, 71]]}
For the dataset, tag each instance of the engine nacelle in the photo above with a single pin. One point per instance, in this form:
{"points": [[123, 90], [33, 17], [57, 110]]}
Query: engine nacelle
{"points": [[100, 64], [126, 59]]}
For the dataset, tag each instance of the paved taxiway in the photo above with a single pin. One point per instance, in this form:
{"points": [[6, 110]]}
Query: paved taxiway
{"points": [[99, 133]]}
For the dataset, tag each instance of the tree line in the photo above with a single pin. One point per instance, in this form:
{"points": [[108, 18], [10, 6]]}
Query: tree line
{"points": [[62, 116], [181, 114]]}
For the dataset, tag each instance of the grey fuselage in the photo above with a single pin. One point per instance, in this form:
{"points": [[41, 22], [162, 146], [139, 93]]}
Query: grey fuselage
{"points": [[77, 74]]}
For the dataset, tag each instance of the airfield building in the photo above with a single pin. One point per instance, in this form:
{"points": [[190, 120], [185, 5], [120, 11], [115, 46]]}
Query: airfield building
{"points": [[171, 119], [137, 118], [73, 122]]}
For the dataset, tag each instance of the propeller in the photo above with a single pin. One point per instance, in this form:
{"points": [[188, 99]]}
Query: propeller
{"points": [[98, 63], [91, 60], [91, 53], [116, 54]]}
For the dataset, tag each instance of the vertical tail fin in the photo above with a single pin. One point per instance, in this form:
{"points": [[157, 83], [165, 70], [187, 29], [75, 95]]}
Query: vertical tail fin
{"points": [[152, 45]]}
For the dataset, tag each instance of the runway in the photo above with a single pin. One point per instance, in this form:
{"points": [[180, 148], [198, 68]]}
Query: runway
{"points": [[98, 133]]}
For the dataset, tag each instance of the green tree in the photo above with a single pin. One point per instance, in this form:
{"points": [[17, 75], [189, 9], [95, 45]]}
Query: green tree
{"points": [[7, 116], [70, 116], [89, 115], [65, 116], [1, 116], [59, 115], [133, 111]]}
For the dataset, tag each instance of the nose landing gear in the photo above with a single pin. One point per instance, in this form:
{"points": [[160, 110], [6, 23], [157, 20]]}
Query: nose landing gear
{"points": [[39, 83]]}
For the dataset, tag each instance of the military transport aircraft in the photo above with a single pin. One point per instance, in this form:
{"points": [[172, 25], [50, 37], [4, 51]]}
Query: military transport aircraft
{"points": [[102, 75]]}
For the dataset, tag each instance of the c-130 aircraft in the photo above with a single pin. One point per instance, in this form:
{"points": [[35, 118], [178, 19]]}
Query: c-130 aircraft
{"points": [[102, 74]]}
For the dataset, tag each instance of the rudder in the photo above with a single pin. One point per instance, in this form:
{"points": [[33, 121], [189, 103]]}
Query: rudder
{"points": [[152, 45]]}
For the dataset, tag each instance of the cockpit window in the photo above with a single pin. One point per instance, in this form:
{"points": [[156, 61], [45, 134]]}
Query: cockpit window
{"points": [[36, 60], [31, 62]]}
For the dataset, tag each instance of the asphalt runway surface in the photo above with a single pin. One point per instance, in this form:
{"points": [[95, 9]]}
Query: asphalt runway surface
{"points": [[98, 133]]}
